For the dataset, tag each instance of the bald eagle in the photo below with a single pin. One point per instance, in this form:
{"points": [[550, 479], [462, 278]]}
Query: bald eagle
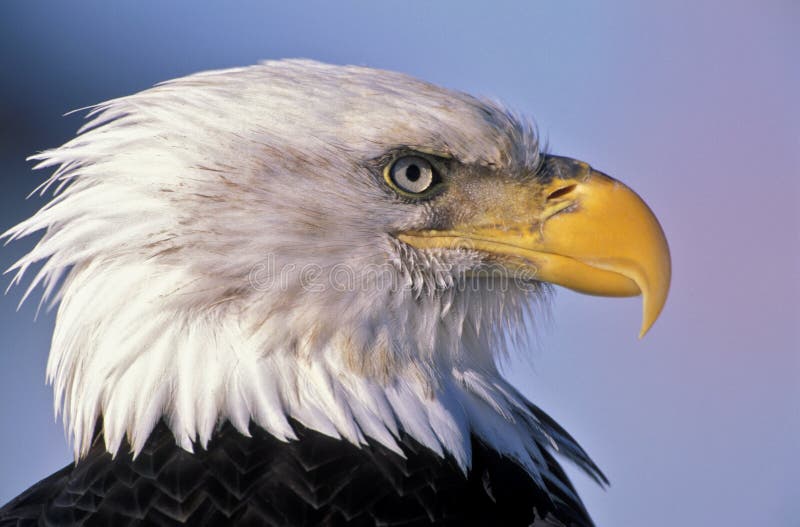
{"points": [[283, 295]]}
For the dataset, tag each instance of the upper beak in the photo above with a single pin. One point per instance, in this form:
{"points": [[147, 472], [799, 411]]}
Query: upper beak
{"points": [[581, 229]]}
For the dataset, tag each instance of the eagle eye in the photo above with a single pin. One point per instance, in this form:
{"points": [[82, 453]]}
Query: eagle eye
{"points": [[411, 175]]}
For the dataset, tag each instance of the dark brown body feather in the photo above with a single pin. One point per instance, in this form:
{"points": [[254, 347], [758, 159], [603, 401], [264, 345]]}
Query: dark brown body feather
{"points": [[314, 481]]}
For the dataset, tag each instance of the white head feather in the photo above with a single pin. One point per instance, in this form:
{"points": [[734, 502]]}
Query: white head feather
{"points": [[226, 254]]}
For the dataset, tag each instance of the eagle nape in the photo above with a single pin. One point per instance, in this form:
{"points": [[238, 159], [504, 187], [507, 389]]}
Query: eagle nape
{"points": [[284, 292]]}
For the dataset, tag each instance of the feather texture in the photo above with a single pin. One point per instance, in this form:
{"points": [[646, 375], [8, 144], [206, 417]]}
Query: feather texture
{"points": [[316, 481]]}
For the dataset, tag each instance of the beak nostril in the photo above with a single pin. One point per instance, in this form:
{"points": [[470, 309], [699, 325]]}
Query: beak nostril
{"points": [[563, 191]]}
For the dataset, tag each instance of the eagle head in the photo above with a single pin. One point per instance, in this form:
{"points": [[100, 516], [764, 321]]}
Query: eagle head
{"points": [[342, 247]]}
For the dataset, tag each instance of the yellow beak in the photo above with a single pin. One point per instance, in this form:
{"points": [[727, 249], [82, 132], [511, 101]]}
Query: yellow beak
{"points": [[581, 229]]}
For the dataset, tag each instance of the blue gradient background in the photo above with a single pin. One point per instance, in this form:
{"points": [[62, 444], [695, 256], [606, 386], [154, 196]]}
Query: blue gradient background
{"points": [[694, 104]]}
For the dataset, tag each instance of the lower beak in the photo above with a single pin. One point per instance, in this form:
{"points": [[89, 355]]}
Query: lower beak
{"points": [[581, 229]]}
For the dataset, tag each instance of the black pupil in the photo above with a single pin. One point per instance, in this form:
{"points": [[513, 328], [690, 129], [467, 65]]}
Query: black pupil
{"points": [[412, 173]]}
